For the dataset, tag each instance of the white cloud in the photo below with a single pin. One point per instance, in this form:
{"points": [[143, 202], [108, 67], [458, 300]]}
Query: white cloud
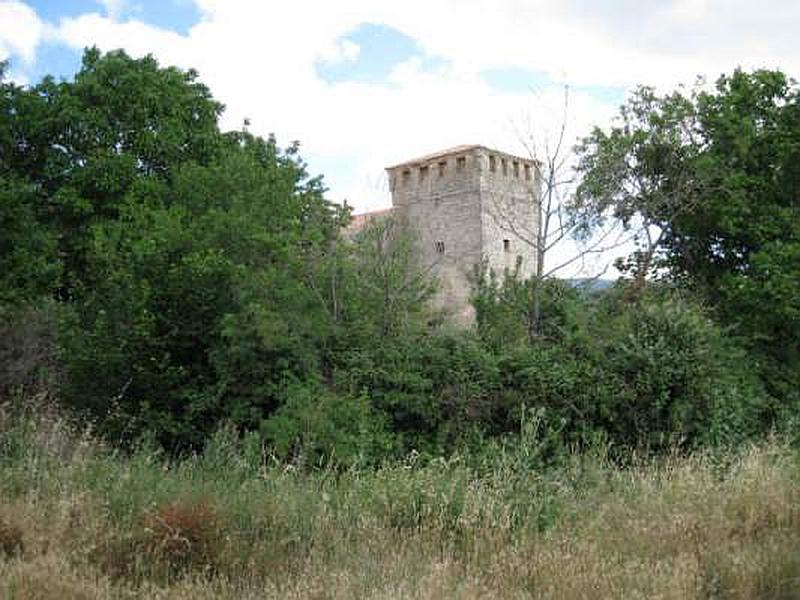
{"points": [[259, 59], [688, 11], [21, 31], [134, 36], [115, 8], [341, 51]]}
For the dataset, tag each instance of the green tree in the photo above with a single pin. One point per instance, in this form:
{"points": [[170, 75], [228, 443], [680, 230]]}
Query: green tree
{"points": [[643, 172], [388, 290], [197, 311], [29, 264], [713, 176], [84, 144]]}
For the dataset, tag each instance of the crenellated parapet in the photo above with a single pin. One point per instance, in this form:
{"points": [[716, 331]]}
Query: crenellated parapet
{"points": [[467, 205]]}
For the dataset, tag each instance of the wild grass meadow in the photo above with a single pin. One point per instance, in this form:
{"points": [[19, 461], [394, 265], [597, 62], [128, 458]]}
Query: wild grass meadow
{"points": [[80, 521]]}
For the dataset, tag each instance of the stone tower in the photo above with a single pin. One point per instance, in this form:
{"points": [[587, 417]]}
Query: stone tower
{"points": [[466, 205]]}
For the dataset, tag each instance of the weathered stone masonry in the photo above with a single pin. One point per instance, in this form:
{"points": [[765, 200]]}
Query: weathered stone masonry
{"points": [[468, 204]]}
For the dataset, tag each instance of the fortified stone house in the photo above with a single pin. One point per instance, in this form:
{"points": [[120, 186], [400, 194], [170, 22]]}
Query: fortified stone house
{"points": [[466, 205]]}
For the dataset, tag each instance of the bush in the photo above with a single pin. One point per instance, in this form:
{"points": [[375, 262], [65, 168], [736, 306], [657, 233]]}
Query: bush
{"points": [[182, 536], [10, 540], [28, 350], [685, 381], [317, 426], [654, 373], [431, 388]]}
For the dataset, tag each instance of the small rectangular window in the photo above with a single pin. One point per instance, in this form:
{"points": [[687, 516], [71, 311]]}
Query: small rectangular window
{"points": [[516, 170], [504, 164], [506, 245], [442, 167], [440, 246], [527, 172], [461, 163], [423, 173], [492, 164], [406, 176]]}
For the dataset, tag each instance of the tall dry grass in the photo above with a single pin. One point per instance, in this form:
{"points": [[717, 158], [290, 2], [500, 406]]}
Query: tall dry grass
{"points": [[78, 521]]}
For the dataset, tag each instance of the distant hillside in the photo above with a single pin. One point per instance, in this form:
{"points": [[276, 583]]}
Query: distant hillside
{"points": [[591, 284]]}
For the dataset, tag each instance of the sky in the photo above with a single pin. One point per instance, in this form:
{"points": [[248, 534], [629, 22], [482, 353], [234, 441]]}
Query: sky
{"points": [[363, 84]]}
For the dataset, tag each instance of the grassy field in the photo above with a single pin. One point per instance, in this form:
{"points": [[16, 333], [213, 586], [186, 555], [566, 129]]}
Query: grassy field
{"points": [[77, 521]]}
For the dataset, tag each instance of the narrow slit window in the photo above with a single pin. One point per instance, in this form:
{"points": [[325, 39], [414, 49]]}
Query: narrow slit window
{"points": [[423, 173], [504, 164], [406, 176], [461, 163], [442, 168], [440, 246], [516, 170], [527, 172], [506, 245], [492, 164]]}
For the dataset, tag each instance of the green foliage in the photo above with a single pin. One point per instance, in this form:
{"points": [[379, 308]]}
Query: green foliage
{"points": [[29, 267], [84, 144], [194, 313], [432, 388], [316, 426], [202, 278], [656, 373], [684, 381], [386, 289], [504, 309], [715, 172]]}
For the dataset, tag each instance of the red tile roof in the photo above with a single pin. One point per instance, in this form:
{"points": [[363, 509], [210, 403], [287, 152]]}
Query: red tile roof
{"points": [[360, 221]]}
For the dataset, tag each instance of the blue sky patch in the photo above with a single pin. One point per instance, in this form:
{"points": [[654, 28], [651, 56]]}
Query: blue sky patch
{"points": [[175, 15], [58, 60], [516, 80], [605, 93], [53, 11], [62, 62], [382, 48]]}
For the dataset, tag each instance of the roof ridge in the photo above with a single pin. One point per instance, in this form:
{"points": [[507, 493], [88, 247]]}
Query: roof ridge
{"points": [[433, 155], [453, 150]]}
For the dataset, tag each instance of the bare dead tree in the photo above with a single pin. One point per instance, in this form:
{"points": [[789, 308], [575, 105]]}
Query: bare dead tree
{"points": [[552, 191]]}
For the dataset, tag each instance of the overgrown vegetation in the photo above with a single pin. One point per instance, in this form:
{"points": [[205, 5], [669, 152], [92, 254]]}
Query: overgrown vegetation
{"points": [[163, 278], [269, 408], [233, 522]]}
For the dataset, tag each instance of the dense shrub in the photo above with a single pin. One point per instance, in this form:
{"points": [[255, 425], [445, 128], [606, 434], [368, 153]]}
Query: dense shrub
{"points": [[28, 350], [653, 372], [432, 388], [317, 426], [11, 540], [685, 381]]}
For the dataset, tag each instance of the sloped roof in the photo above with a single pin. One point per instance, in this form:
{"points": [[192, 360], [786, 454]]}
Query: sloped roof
{"points": [[439, 154], [454, 150], [359, 221]]}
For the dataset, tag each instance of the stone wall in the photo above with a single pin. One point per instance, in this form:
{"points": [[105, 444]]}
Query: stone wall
{"points": [[465, 205], [509, 213]]}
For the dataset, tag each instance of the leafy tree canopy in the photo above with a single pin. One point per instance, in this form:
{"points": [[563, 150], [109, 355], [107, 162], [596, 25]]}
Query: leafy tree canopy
{"points": [[712, 180]]}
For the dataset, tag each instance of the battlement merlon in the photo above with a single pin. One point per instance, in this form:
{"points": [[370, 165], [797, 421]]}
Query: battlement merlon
{"points": [[467, 206], [466, 163]]}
